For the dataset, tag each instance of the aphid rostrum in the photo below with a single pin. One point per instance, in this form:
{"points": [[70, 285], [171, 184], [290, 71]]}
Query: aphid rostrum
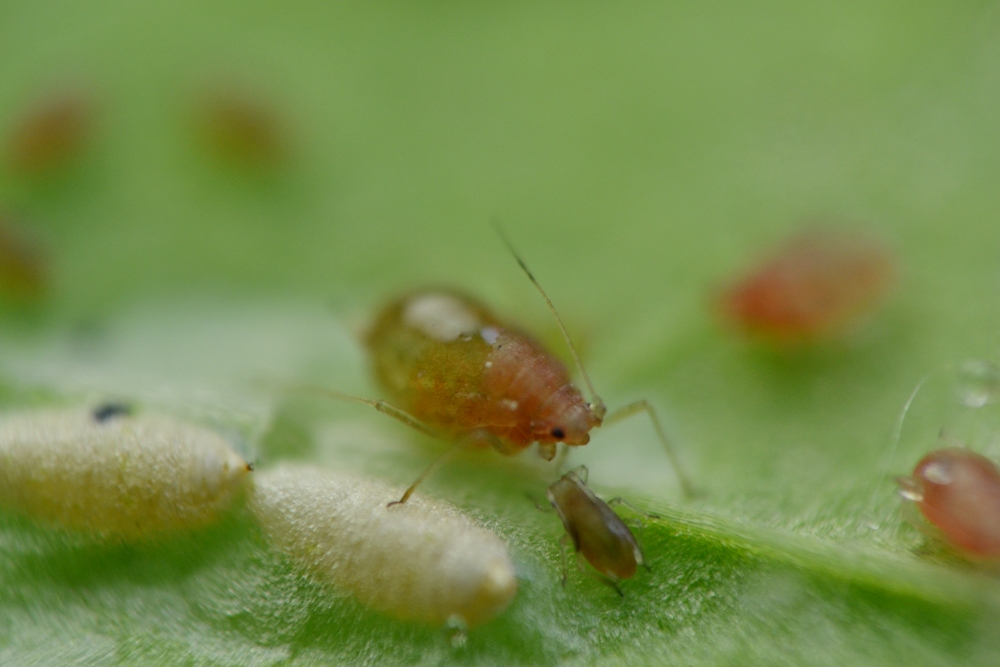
{"points": [[596, 532], [814, 286], [108, 473], [454, 369], [424, 561], [50, 133], [958, 492]]}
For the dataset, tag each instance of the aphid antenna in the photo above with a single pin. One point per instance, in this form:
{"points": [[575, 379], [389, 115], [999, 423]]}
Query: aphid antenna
{"points": [[897, 432], [597, 404]]}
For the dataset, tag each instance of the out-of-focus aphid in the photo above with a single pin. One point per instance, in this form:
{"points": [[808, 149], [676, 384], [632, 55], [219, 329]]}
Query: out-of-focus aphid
{"points": [[242, 129], [50, 133], [595, 530], [105, 472], [424, 561], [815, 286], [22, 262], [958, 492]]}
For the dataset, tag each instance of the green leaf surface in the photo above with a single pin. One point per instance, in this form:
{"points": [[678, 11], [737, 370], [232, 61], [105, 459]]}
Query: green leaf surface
{"points": [[639, 154]]}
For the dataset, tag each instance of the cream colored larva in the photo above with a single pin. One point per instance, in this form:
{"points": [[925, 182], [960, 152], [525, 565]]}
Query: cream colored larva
{"points": [[104, 471], [422, 561]]}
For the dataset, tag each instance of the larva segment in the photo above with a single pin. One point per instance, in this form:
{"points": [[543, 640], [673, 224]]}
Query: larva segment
{"points": [[423, 561], [129, 477]]}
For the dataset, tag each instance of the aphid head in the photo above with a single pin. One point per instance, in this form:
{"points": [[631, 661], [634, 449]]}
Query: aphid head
{"points": [[571, 425]]}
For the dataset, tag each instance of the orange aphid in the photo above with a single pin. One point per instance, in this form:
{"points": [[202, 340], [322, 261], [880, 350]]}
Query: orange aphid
{"points": [[814, 286], [50, 134], [958, 492], [450, 362], [454, 369]]}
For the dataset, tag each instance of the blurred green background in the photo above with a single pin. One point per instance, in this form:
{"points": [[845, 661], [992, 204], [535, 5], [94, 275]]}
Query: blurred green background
{"points": [[638, 154]]}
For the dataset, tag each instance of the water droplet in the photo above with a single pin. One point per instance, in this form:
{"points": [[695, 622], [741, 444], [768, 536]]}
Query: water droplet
{"points": [[978, 383]]}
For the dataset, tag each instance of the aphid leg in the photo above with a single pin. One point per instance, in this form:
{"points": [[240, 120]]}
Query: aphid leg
{"points": [[448, 455], [565, 544], [606, 580], [381, 406], [644, 406], [539, 506], [581, 472], [465, 441], [614, 502]]}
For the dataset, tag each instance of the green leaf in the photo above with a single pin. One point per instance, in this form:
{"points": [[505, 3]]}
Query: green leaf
{"points": [[639, 155]]}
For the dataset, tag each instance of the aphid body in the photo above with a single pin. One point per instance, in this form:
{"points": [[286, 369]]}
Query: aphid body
{"points": [[448, 361], [596, 531], [422, 561], [815, 285], [113, 474], [958, 491], [242, 129]]}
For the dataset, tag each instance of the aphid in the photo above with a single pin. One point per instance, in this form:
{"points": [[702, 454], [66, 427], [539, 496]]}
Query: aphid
{"points": [[594, 529], [22, 262], [50, 134], [453, 368], [124, 476], [424, 561], [242, 129], [958, 492], [815, 286]]}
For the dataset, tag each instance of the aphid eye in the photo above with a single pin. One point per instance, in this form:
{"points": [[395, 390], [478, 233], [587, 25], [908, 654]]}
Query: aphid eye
{"points": [[558, 433]]}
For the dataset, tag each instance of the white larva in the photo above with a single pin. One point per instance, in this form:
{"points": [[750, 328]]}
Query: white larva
{"points": [[109, 473], [422, 561]]}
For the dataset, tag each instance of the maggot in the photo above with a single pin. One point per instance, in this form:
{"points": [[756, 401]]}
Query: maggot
{"points": [[958, 492], [423, 561], [103, 471], [595, 530]]}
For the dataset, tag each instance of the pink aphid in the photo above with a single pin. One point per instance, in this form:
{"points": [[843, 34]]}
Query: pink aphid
{"points": [[958, 491], [816, 285]]}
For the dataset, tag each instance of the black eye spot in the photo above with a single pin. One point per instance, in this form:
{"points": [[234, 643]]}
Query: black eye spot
{"points": [[558, 433], [103, 413]]}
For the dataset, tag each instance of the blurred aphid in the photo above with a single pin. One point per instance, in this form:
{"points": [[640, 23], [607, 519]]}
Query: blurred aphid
{"points": [[958, 492], [594, 529], [102, 471], [242, 129], [50, 133], [423, 561], [815, 286], [22, 262]]}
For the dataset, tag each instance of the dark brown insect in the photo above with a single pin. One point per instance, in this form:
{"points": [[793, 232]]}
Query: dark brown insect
{"points": [[814, 286], [594, 529], [50, 134], [958, 492]]}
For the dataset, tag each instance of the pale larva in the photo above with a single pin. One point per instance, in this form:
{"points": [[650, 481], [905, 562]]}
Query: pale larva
{"points": [[106, 472], [422, 561]]}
